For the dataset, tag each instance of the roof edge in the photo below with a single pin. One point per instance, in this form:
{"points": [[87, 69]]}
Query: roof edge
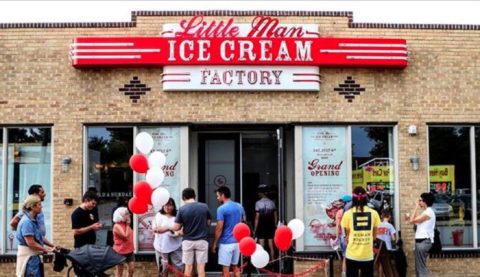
{"points": [[136, 14]]}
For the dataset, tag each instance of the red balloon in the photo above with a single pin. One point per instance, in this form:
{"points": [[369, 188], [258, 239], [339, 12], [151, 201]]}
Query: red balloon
{"points": [[139, 163], [240, 231], [247, 246], [283, 238], [143, 191], [137, 206]]}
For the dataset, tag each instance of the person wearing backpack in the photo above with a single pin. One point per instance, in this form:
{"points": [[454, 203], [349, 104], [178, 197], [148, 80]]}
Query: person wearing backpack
{"points": [[424, 235]]}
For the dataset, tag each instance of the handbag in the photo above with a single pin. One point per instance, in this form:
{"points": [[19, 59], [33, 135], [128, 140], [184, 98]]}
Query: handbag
{"points": [[437, 243]]}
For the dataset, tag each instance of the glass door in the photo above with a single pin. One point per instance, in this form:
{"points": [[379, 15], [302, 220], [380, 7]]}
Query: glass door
{"points": [[241, 161], [218, 166]]}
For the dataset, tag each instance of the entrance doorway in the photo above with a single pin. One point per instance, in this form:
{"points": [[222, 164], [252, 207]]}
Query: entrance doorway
{"points": [[241, 161]]}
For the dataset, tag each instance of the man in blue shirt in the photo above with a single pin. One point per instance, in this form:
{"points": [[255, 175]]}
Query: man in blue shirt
{"points": [[229, 214]]}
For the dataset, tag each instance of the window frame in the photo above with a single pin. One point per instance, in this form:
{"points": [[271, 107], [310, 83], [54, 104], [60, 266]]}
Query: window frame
{"points": [[298, 169], [184, 159], [4, 180], [473, 177]]}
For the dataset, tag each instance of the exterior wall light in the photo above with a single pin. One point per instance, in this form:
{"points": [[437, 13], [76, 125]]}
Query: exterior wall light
{"points": [[66, 161], [414, 161]]}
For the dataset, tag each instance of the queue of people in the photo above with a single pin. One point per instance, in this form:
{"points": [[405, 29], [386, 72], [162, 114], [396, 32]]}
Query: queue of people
{"points": [[181, 236]]}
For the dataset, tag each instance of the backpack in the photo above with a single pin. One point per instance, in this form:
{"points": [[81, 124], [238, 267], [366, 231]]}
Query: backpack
{"points": [[437, 243]]}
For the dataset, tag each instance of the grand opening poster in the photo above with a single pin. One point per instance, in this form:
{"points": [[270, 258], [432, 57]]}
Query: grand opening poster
{"points": [[324, 181], [167, 141]]}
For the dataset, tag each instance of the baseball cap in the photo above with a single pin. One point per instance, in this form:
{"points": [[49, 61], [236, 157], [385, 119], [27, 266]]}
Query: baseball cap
{"points": [[346, 198]]}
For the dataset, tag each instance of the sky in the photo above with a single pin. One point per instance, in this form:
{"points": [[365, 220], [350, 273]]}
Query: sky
{"points": [[439, 12]]}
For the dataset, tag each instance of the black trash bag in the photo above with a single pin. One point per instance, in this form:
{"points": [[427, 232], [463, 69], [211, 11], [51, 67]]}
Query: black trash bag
{"points": [[60, 261], [93, 260]]}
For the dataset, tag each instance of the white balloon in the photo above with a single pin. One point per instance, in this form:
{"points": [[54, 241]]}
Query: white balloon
{"points": [[297, 227], [144, 142], [259, 246], [260, 258], [154, 177], [156, 159], [160, 197]]}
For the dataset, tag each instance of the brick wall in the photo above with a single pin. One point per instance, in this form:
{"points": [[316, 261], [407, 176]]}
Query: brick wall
{"points": [[39, 86]]}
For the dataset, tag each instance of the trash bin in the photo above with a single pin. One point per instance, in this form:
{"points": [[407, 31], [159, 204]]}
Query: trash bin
{"points": [[457, 236]]}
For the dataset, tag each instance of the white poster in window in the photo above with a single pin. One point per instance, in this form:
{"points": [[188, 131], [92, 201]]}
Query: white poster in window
{"points": [[324, 181], [167, 141]]}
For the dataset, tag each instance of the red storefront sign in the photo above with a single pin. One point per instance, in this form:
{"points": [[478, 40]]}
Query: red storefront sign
{"points": [[220, 42], [160, 51]]}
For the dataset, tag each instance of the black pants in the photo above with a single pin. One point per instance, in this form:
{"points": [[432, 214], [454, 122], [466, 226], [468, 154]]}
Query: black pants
{"points": [[354, 267]]}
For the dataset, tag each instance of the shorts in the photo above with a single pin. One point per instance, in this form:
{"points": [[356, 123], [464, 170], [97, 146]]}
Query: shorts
{"points": [[174, 259], [195, 250], [228, 254], [265, 231], [130, 257]]}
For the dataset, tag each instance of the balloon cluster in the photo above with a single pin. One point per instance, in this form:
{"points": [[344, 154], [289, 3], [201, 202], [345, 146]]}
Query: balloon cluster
{"points": [[283, 240], [148, 192]]}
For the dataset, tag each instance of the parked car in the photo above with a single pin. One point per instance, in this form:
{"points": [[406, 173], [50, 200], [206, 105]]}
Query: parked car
{"points": [[379, 200], [441, 206]]}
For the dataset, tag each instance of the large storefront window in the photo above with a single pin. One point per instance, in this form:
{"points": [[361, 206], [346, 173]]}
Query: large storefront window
{"points": [[28, 162], [373, 163], [109, 173], [331, 169], [450, 181]]}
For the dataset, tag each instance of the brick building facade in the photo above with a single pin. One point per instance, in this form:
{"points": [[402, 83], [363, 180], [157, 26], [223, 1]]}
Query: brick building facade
{"points": [[40, 88]]}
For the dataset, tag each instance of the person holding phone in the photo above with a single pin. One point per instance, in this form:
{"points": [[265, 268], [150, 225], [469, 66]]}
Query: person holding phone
{"points": [[85, 221]]}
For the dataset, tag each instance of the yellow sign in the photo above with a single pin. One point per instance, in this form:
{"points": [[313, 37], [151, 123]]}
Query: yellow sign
{"points": [[442, 178]]}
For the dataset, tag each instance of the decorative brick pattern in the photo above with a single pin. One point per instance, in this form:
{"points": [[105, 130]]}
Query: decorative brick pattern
{"points": [[135, 89], [349, 89]]}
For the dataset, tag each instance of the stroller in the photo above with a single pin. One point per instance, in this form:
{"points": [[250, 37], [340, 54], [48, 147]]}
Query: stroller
{"points": [[88, 260]]}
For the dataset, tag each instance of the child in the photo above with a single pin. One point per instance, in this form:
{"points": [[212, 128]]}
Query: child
{"points": [[386, 231], [123, 240]]}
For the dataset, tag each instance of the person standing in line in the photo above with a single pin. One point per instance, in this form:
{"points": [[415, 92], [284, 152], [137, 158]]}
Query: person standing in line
{"points": [[360, 225], [229, 214], [425, 223], [157, 241], [37, 190], [346, 205], [123, 240], [30, 240], [85, 221], [387, 233], [266, 218], [195, 218], [171, 242]]}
